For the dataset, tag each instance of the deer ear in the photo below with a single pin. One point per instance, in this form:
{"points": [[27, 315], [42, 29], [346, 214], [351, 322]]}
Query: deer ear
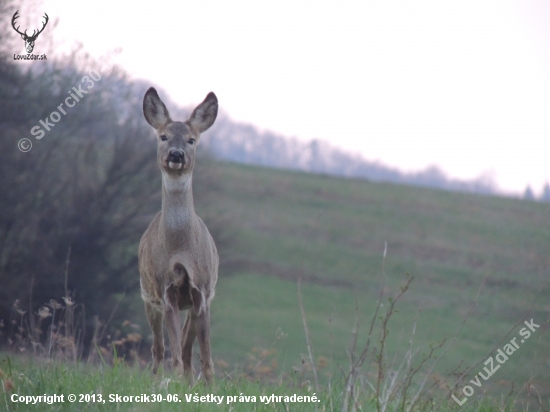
{"points": [[154, 110], [205, 113]]}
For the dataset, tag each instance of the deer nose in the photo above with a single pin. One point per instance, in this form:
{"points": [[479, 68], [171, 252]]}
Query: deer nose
{"points": [[176, 156]]}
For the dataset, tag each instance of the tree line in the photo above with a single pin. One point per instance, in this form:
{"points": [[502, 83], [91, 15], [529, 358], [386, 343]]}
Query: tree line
{"points": [[73, 208]]}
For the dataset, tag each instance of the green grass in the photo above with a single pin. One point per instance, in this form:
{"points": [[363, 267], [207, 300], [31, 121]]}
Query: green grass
{"points": [[331, 232], [96, 389]]}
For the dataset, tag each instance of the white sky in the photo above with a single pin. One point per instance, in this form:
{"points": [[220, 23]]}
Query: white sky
{"points": [[461, 84]]}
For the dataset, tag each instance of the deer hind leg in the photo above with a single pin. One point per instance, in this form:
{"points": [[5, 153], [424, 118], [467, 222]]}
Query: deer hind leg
{"points": [[172, 313], [154, 317], [189, 334], [201, 320]]}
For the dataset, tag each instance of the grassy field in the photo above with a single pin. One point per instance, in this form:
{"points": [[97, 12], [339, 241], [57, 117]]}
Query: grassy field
{"points": [[332, 231], [111, 388], [481, 267]]}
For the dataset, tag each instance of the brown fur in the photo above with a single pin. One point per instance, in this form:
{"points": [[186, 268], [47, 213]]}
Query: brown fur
{"points": [[178, 260]]}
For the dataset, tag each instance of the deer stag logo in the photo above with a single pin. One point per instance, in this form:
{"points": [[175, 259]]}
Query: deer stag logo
{"points": [[29, 40]]}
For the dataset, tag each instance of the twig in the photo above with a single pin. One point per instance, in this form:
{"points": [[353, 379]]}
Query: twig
{"points": [[67, 261], [278, 336], [353, 373], [303, 313], [308, 340], [472, 306], [385, 321]]}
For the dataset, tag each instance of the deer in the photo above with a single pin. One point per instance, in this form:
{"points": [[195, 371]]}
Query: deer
{"points": [[29, 40], [177, 257]]}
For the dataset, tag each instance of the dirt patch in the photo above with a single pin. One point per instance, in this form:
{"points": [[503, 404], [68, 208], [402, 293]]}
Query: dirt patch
{"points": [[507, 283], [270, 269]]}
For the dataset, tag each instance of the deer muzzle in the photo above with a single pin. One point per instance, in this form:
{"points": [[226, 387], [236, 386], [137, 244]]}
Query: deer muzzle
{"points": [[176, 159]]}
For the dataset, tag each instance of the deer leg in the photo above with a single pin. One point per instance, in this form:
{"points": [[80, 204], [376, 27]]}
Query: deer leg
{"points": [[172, 313], [189, 334], [201, 320], [154, 317]]}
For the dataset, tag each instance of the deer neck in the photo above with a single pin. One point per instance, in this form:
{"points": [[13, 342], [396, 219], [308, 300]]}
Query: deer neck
{"points": [[177, 213]]}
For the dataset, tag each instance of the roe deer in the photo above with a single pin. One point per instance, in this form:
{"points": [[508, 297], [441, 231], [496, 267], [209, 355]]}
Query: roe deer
{"points": [[178, 260]]}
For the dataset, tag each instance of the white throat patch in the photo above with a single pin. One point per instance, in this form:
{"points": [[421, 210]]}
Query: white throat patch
{"points": [[176, 183]]}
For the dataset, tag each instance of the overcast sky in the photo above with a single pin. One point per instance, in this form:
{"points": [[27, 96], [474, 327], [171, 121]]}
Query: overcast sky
{"points": [[464, 85]]}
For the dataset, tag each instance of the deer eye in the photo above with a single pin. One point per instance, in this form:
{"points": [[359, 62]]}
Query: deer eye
{"points": [[163, 138], [191, 141]]}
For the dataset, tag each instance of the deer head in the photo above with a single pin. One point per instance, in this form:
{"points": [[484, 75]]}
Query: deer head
{"points": [[29, 40], [177, 141]]}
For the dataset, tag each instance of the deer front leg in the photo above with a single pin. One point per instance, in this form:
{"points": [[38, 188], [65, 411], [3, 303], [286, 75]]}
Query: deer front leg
{"points": [[202, 327], [189, 334], [201, 320], [154, 317], [172, 313]]}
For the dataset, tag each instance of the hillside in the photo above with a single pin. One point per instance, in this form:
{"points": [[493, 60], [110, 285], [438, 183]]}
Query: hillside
{"points": [[74, 208], [331, 232]]}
